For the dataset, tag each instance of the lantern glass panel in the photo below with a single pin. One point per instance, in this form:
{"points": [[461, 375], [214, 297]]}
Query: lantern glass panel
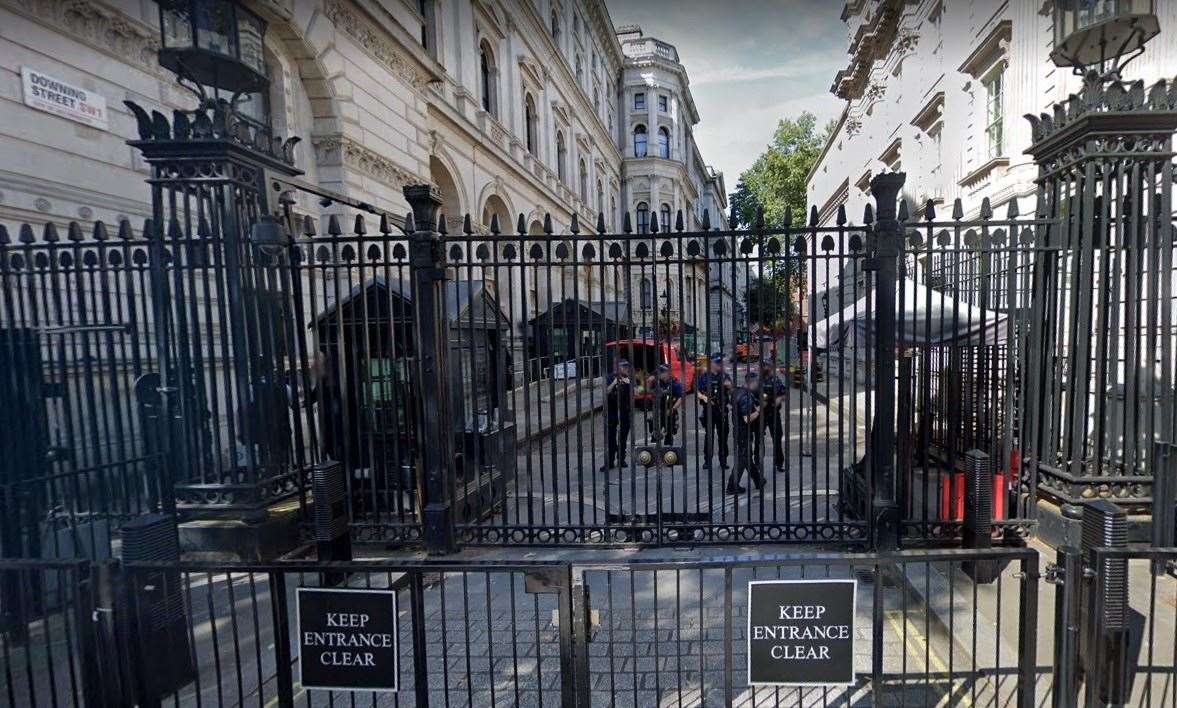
{"points": [[215, 28], [177, 26], [250, 29]]}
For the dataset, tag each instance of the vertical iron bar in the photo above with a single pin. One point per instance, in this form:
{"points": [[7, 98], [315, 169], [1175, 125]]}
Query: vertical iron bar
{"points": [[282, 658]]}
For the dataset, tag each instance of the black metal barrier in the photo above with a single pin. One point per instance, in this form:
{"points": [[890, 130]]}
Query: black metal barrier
{"points": [[499, 633]]}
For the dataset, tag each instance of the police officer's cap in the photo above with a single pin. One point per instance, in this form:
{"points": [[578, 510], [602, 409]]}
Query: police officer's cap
{"points": [[751, 376], [717, 357], [623, 363], [766, 363], [663, 368]]}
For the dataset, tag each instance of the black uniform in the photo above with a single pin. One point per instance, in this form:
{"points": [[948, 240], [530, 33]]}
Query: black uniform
{"points": [[748, 440], [618, 418], [714, 414], [666, 395], [774, 390]]}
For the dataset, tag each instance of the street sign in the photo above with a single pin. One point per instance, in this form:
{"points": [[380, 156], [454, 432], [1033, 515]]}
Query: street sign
{"points": [[801, 632], [347, 639], [46, 93]]}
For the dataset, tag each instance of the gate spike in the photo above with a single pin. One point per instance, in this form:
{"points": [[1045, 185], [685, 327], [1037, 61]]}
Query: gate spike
{"points": [[868, 214], [26, 234], [410, 222], [841, 218], [520, 224], [385, 224], [74, 232], [333, 226], [548, 223], [202, 229], [1012, 212], [626, 225], [175, 231], [678, 222], [813, 215], [600, 222], [759, 223], [904, 212], [788, 217], [467, 224], [654, 223], [308, 226], [706, 219], [986, 209], [957, 209], [149, 230], [125, 230], [4, 240], [49, 233], [361, 226], [494, 225], [930, 210], [442, 227], [574, 227], [733, 220]]}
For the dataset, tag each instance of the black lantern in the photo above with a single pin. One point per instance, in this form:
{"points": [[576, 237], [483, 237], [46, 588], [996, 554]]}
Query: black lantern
{"points": [[213, 43], [1096, 32]]}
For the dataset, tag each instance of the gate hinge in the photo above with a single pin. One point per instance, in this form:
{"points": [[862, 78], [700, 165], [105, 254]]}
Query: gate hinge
{"points": [[1054, 574]]}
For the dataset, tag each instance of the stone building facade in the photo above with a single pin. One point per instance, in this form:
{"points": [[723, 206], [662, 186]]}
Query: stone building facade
{"points": [[508, 106]]}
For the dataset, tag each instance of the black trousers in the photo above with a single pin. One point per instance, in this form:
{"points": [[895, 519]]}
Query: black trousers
{"points": [[715, 425], [665, 424], [775, 428], [617, 427], [749, 454]]}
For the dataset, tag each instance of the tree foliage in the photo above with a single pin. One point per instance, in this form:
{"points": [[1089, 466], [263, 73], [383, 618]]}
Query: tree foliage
{"points": [[776, 181]]}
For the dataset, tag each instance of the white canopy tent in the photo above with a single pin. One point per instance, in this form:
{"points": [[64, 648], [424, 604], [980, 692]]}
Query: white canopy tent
{"points": [[926, 318]]}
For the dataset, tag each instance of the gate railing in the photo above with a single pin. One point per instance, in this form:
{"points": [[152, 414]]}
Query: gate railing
{"points": [[532, 633]]}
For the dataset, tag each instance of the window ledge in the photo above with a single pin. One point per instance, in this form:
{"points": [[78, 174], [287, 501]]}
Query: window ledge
{"points": [[983, 171]]}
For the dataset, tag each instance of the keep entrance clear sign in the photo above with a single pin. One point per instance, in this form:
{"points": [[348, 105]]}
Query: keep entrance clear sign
{"points": [[347, 639], [801, 632]]}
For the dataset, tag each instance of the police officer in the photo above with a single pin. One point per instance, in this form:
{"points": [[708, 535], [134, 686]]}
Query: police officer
{"points": [[749, 412], [668, 398], [714, 389], [618, 414], [774, 395]]}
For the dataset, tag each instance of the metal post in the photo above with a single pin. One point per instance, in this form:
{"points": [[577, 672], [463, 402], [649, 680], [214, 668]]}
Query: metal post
{"points": [[1105, 525], [888, 245], [1164, 498], [435, 460], [1028, 634], [978, 514], [281, 618], [1067, 576], [420, 650], [582, 622]]}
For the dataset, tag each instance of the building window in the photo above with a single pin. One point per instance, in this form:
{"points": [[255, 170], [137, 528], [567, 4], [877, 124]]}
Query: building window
{"points": [[612, 213], [579, 71], [561, 158], [597, 100], [489, 76], [664, 213], [583, 183], [639, 101], [639, 141], [643, 214], [994, 90], [529, 123], [664, 143], [664, 104], [555, 27], [647, 294], [600, 198], [428, 31]]}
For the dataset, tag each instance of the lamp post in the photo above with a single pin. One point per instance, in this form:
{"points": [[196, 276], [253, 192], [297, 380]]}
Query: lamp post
{"points": [[213, 44], [1103, 33]]}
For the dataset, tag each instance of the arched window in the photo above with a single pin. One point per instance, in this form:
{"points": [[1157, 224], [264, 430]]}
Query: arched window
{"points": [[664, 143], [664, 222], [597, 100], [561, 158], [612, 213], [647, 294], [555, 27], [579, 70], [489, 79], [639, 141], [583, 182], [600, 198], [643, 214], [529, 118]]}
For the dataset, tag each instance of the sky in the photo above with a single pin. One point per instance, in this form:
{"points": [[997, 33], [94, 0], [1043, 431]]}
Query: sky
{"points": [[750, 63]]}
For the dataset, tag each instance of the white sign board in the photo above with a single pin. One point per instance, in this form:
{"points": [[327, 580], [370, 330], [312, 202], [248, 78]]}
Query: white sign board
{"points": [[51, 95]]}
